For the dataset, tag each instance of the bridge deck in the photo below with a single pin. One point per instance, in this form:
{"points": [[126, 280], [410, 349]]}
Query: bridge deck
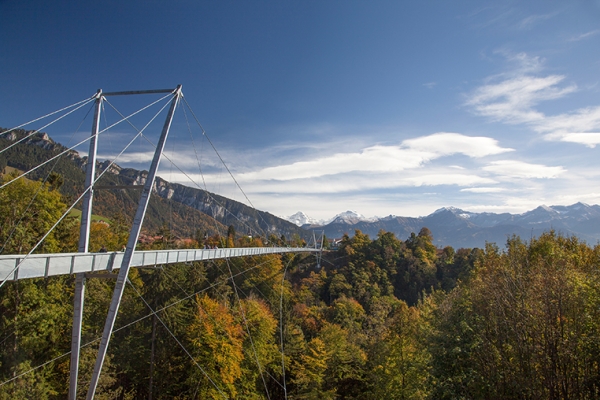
{"points": [[44, 265]]}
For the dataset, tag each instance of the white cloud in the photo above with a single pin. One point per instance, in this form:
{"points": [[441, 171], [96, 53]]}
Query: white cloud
{"points": [[589, 139], [518, 169], [136, 157], [522, 62], [342, 183], [371, 159], [410, 154], [445, 143], [484, 190], [430, 85], [577, 126]]}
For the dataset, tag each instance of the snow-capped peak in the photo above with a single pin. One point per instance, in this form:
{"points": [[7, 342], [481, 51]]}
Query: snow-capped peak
{"points": [[350, 217], [300, 219], [453, 210]]}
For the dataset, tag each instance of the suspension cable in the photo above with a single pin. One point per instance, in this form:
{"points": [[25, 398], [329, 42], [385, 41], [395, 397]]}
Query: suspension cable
{"points": [[124, 326], [39, 190], [247, 329], [83, 141], [281, 328], [198, 186], [80, 103], [222, 161], [79, 198], [177, 340], [200, 168]]}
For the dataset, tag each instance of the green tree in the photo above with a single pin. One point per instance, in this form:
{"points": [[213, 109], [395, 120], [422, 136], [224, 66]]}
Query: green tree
{"points": [[28, 210], [524, 325]]}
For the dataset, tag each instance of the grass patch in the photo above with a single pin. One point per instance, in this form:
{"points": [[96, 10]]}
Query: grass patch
{"points": [[77, 214]]}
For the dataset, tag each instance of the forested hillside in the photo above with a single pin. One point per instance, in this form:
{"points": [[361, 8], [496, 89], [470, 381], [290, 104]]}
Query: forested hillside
{"points": [[381, 318]]}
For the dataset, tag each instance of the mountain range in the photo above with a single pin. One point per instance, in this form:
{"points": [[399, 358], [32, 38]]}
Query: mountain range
{"points": [[188, 211], [458, 228]]}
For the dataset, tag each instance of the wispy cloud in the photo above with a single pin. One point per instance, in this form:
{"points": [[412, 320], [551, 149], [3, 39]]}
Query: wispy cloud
{"points": [[588, 139], [512, 98], [126, 158], [519, 169], [373, 168], [446, 179], [529, 22], [430, 85], [584, 36], [580, 126]]}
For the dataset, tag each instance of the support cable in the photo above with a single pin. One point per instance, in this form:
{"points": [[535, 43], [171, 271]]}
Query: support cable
{"points": [[128, 325], [80, 103], [39, 190], [197, 185], [80, 197], [119, 193], [245, 295], [253, 285], [187, 121], [265, 297], [210, 316], [222, 161], [83, 141], [281, 329], [177, 340], [260, 370], [187, 175], [194, 146], [200, 306]]}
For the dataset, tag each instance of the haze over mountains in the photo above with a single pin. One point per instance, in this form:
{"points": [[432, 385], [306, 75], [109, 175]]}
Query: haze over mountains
{"points": [[459, 228]]}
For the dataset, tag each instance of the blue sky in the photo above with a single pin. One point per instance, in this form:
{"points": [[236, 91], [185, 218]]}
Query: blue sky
{"points": [[382, 107]]}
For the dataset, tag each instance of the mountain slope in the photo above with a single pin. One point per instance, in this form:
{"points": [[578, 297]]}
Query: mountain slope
{"points": [[182, 209]]}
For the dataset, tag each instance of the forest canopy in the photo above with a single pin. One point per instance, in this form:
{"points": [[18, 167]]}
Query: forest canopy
{"points": [[380, 318]]}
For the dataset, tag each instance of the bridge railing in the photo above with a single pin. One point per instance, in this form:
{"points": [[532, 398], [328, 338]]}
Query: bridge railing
{"points": [[45, 265]]}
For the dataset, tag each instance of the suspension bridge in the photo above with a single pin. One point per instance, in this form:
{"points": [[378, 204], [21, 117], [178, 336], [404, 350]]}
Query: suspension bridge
{"points": [[113, 265]]}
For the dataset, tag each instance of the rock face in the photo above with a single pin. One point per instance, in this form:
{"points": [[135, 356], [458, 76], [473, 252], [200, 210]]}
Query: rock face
{"points": [[226, 211]]}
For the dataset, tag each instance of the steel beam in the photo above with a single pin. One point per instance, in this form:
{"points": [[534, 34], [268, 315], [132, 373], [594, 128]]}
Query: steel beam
{"points": [[90, 175], [130, 92], [84, 239]]}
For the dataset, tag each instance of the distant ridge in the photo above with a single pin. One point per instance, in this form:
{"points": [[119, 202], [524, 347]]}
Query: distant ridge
{"points": [[458, 228]]}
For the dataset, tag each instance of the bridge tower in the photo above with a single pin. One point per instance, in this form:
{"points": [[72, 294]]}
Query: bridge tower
{"points": [[134, 233]]}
